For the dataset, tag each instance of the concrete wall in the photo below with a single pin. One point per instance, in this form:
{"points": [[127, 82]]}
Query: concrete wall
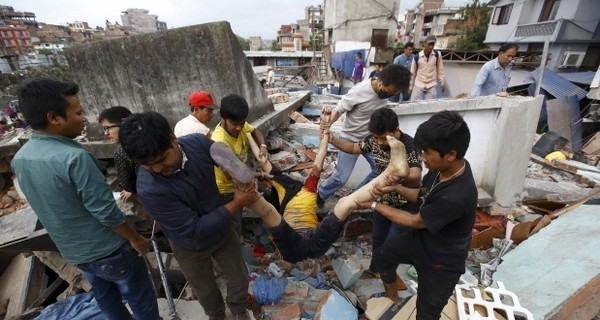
{"points": [[354, 20], [502, 131], [157, 72]]}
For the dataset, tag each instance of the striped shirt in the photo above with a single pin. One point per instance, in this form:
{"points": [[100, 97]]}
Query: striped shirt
{"points": [[491, 79]]}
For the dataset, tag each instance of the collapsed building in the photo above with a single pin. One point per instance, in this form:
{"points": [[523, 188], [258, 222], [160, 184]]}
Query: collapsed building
{"points": [[156, 72]]}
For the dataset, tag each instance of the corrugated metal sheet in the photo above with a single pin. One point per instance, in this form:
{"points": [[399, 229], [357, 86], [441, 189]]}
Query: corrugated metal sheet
{"points": [[579, 77], [558, 86]]}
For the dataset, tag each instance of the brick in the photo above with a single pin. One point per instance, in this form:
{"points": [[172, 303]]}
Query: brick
{"points": [[297, 289], [287, 312]]}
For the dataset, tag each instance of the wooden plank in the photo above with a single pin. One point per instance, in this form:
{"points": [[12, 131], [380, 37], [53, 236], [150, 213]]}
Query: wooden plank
{"points": [[302, 166], [64, 270], [574, 205], [47, 293], [310, 154], [17, 225]]}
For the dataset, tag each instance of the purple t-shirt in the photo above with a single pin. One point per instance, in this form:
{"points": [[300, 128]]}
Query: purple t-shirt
{"points": [[359, 67]]}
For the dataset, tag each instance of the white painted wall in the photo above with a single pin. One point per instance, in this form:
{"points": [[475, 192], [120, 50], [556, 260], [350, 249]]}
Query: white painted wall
{"points": [[502, 132]]}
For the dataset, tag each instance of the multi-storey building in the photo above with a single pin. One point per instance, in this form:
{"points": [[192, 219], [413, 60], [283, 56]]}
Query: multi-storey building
{"points": [[141, 21], [571, 28], [15, 39], [416, 18]]}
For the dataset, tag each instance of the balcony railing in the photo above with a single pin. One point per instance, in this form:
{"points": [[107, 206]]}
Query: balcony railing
{"points": [[536, 29]]}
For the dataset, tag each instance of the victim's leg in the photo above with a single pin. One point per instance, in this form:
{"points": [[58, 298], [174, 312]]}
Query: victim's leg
{"points": [[397, 168]]}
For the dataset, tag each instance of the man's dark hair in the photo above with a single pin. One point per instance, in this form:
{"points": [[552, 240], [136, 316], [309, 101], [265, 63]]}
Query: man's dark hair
{"points": [[443, 132], [234, 108], [507, 46], [383, 120], [39, 97], [359, 54], [114, 114], [396, 75], [145, 136], [409, 45]]}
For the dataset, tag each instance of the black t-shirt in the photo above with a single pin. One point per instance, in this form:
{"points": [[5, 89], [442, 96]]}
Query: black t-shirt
{"points": [[448, 210]]}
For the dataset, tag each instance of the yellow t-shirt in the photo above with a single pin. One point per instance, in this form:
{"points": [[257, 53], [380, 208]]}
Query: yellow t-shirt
{"points": [[301, 211], [239, 146]]}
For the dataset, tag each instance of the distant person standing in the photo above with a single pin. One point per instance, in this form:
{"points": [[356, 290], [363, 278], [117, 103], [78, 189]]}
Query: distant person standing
{"points": [[375, 73], [270, 77], [406, 59], [494, 76], [202, 107], [68, 193], [359, 68], [426, 71]]}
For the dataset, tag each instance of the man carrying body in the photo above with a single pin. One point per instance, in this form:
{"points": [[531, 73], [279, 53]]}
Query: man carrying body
{"points": [[384, 122], [67, 191], [494, 76], [232, 131], [426, 70], [358, 104], [202, 106], [405, 60], [440, 233], [176, 185], [296, 244]]}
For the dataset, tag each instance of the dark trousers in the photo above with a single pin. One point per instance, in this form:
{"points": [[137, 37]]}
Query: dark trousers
{"points": [[295, 246], [435, 288], [198, 270], [383, 229]]}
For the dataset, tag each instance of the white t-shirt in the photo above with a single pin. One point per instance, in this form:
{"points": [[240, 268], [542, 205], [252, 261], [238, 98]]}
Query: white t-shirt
{"points": [[189, 125], [271, 77]]}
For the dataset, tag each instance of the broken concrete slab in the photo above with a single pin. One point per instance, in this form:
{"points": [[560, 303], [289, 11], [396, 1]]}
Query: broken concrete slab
{"points": [[334, 306], [157, 71], [556, 272], [186, 310], [21, 284], [348, 270], [17, 225]]}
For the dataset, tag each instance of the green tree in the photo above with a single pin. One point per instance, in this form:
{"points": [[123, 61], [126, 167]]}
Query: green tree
{"points": [[45, 51], [316, 42], [245, 44], [275, 45], [476, 18]]}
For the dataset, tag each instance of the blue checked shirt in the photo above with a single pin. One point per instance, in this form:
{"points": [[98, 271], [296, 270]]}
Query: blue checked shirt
{"points": [[491, 79], [405, 61]]}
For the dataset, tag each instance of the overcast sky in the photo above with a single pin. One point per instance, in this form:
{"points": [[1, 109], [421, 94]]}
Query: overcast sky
{"points": [[247, 17]]}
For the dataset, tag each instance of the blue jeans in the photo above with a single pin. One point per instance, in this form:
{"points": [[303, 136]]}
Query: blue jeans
{"points": [[345, 166], [122, 275]]}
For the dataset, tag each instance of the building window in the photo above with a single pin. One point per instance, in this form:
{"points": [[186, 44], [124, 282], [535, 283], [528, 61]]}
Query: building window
{"points": [[502, 14], [549, 10]]}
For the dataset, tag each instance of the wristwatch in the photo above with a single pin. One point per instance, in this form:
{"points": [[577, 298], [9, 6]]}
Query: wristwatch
{"points": [[373, 205]]}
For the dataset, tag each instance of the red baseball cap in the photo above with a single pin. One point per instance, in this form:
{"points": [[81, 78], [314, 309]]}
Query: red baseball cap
{"points": [[202, 99]]}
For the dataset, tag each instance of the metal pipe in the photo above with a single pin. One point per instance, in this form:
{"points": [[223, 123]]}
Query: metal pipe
{"points": [[163, 276]]}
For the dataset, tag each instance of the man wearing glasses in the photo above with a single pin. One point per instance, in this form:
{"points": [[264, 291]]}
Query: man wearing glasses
{"points": [[359, 104], [201, 112]]}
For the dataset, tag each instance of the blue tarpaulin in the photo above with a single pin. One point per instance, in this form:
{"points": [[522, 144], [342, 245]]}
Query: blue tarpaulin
{"points": [[344, 61], [79, 307]]}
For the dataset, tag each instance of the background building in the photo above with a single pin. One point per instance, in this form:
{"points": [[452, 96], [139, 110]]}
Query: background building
{"points": [[571, 27], [142, 22]]}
